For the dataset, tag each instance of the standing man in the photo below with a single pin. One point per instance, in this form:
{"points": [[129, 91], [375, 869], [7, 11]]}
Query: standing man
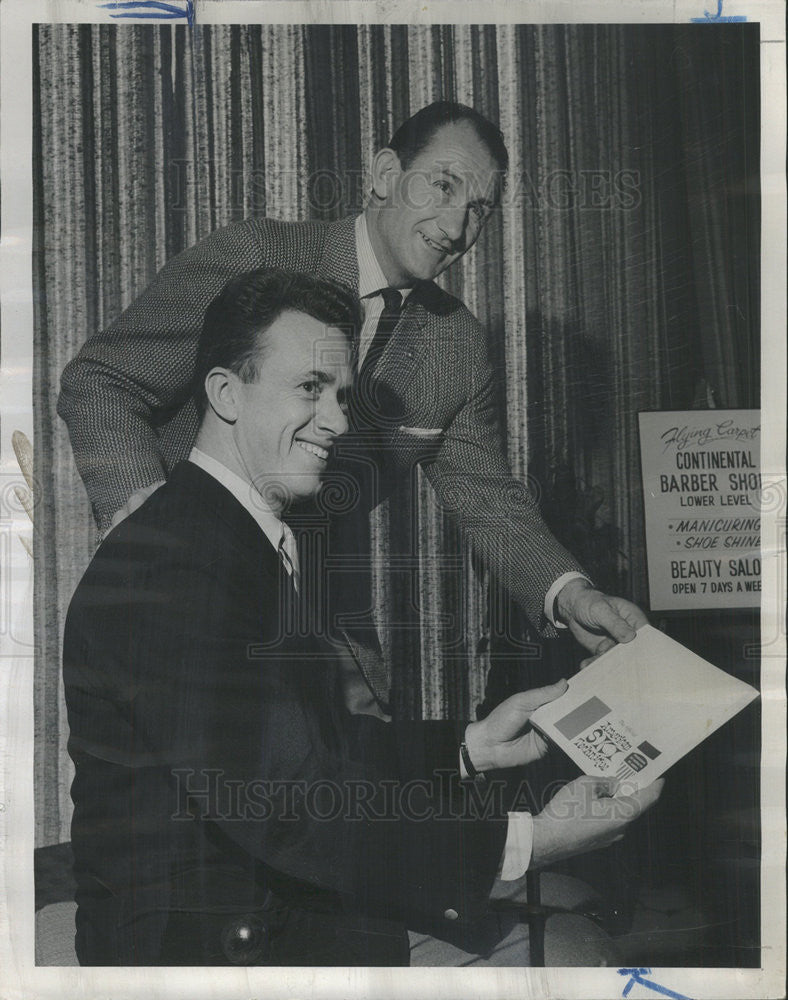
{"points": [[125, 397]]}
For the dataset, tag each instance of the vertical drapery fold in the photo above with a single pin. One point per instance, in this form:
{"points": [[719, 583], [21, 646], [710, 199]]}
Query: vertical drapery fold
{"points": [[284, 125], [620, 272]]}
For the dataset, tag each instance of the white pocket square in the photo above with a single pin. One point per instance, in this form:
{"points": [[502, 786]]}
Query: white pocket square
{"points": [[421, 431]]}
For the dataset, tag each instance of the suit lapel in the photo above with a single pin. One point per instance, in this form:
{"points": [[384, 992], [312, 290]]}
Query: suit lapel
{"points": [[422, 303], [221, 506]]}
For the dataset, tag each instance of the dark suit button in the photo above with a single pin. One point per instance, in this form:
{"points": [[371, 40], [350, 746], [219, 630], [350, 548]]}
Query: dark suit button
{"points": [[451, 914], [245, 940]]}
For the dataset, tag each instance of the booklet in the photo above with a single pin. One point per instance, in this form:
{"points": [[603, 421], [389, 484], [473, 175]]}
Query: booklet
{"points": [[640, 707]]}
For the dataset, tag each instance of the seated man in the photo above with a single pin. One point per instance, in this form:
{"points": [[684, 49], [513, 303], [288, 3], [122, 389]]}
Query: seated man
{"points": [[228, 807]]}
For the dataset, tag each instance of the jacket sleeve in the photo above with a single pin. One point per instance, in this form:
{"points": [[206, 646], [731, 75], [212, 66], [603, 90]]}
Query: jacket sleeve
{"points": [[498, 513], [434, 866], [130, 377]]}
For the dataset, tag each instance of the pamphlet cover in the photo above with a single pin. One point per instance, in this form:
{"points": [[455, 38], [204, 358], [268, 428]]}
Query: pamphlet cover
{"points": [[641, 707]]}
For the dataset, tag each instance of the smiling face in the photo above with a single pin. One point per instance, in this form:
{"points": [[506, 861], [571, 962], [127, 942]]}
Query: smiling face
{"points": [[288, 417], [425, 217]]}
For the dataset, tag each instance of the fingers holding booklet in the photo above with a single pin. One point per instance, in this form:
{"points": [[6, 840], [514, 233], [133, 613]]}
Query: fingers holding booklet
{"points": [[586, 815]]}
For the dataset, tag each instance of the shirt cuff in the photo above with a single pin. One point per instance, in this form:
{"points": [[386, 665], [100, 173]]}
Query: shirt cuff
{"points": [[555, 590], [518, 846]]}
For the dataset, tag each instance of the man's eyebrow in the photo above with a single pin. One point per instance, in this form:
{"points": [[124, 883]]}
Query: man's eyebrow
{"points": [[445, 172], [484, 202], [320, 376]]}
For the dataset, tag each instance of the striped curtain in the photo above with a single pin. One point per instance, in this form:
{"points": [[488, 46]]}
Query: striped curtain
{"points": [[621, 271]]}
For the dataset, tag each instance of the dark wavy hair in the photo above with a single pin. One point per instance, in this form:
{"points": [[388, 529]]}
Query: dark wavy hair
{"points": [[415, 134], [233, 332]]}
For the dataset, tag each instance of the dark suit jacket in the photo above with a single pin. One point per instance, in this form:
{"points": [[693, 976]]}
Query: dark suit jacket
{"points": [[189, 694], [125, 397]]}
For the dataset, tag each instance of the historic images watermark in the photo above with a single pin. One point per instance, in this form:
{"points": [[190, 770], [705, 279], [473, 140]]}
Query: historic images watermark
{"points": [[210, 793], [326, 192]]}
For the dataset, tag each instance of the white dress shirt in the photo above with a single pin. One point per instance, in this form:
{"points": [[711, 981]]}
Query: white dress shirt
{"points": [[371, 280]]}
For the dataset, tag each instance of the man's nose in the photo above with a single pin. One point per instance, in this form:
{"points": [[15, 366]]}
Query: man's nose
{"points": [[330, 415], [452, 221]]}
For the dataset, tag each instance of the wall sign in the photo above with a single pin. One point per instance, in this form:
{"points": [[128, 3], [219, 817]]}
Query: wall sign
{"points": [[702, 494]]}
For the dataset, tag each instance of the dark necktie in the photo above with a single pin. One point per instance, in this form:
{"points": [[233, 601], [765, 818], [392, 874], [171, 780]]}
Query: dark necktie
{"points": [[392, 310], [364, 405]]}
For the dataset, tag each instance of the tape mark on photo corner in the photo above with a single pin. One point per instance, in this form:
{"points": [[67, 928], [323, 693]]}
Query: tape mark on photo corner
{"points": [[150, 9], [718, 17]]}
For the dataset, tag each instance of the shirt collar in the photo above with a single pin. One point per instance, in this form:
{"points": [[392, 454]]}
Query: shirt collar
{"points": [[244, 493], [370, 274]]}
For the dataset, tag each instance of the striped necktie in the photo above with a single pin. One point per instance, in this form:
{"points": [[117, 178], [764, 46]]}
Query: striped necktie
{"points": [[288, 553]]}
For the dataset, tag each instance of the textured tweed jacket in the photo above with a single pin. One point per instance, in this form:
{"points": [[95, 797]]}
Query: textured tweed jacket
{"points": [[126, 401]]}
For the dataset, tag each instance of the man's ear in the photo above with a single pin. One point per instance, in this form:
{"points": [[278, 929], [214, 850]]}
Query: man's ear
{"points": [[221, 388], [385, 170]]}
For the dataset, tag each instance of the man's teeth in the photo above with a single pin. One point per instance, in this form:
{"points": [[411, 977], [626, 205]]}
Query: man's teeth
{"points": [[313, 449]]}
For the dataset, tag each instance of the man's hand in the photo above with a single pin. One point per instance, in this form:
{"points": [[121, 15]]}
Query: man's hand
{"points": [[586, 815], [504, 738], [137, 499], [597, 621]]}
